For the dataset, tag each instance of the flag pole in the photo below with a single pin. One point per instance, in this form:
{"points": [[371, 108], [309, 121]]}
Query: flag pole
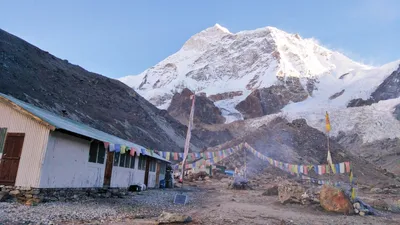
{"points": [[329, 157], [188, 136]]}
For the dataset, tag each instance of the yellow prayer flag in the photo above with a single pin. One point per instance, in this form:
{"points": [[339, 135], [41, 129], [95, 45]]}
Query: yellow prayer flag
{"points": [[351, 176], [328, 123], [353, 193], [122, 149]]}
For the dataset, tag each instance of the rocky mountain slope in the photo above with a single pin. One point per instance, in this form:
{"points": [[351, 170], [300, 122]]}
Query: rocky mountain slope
{"points": [[37, 77], [206, 111], [265, 70]]}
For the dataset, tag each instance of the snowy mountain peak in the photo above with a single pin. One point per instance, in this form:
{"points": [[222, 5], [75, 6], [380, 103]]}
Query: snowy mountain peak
{"points": [[203, 40], [220, 63], [223, 29]]}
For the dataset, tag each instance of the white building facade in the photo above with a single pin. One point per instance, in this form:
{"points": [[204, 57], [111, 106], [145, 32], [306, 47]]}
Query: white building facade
{"points": [[41, 150]]}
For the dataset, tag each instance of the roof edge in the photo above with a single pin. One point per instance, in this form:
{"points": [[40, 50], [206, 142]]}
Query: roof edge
{"points": [[26, 113]]}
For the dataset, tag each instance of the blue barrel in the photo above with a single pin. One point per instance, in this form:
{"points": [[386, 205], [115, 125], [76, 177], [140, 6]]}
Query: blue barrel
{"points": [[229, 172], [162, 183]]}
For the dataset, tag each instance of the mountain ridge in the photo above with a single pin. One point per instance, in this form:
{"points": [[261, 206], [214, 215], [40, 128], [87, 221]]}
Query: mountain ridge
{"points": [[218, 62]]}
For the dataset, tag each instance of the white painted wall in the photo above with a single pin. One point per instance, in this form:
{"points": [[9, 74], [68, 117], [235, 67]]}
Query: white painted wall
{"points": [[66, 164], [34, 146]]}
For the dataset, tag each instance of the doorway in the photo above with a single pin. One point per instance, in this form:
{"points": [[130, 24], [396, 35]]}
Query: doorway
{"points": [[158, 174], [108, 169], [10, 160], [146, 173]]}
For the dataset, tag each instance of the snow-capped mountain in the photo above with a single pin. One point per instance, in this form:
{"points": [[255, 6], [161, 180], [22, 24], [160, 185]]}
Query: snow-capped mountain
{"points": [[216, 61]]}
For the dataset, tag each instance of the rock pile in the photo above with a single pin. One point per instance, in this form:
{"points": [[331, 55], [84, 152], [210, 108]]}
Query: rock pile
{"points": [[290, 192], [33, 196]]}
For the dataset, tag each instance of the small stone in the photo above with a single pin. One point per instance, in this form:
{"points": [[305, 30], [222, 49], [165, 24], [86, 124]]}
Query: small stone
{"points": [[28, 196], [15, 192], [376, 190]]}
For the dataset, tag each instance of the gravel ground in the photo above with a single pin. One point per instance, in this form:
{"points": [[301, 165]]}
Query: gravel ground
{"points": [[147, 204]]}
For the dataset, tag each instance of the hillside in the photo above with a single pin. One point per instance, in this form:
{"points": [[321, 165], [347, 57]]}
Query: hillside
{"points": [[35, 76]]}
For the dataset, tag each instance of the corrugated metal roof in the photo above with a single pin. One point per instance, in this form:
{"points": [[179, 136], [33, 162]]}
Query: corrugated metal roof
{"points": [[76, 127]]}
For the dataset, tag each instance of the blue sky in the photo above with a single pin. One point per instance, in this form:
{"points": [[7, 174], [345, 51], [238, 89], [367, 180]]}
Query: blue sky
{"points": [[118, 38]]}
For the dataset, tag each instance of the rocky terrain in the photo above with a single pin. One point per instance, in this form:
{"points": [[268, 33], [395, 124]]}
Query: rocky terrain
{"points": [[35, 76], [206, 111], [388, 89]]}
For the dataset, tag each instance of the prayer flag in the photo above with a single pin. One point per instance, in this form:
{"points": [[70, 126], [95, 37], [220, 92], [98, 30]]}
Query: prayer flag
{"points": [[347, 164], [341, 165], [111, 148], [328, 124], [117, 147], [122, 149]]}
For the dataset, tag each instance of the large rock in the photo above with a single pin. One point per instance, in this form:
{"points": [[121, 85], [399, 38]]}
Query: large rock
{"points": [[292, 193], [167, 218], [271, 100], [205, 110], [334, 200]]}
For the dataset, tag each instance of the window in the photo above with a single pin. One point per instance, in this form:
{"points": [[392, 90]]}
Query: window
{"points": [[152, 166], [124, 160], [97, 152], [127, 161], [132, 165], [162, 168], [3, 135], [116, 158], [142, 162]]}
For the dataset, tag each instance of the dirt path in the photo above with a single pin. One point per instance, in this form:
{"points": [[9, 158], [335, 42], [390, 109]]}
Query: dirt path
{"points": [[210, 202], [251, 207]]}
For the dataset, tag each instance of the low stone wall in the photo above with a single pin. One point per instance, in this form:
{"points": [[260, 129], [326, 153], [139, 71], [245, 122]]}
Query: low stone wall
{"points": [[29, 196]]}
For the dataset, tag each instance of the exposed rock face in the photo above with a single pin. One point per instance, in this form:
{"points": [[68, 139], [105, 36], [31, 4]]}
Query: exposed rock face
{"points": [[336, 95], [213, 138], [37, 77], [388, 89], [205, 110], [334, 200], [271, 100], [225, 95]]}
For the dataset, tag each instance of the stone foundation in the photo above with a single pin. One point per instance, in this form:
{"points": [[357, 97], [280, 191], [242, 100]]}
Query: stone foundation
{"points": [[29, 196]]}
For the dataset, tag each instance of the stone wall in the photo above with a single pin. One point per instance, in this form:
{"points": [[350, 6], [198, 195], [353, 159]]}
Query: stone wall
{"points": [[31, 196]]}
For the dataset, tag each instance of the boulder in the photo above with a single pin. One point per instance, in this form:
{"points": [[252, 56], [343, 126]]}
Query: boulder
{"points": [[3, 196], [292, 193], [167, 218], [334, 200], [271, 191]]}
